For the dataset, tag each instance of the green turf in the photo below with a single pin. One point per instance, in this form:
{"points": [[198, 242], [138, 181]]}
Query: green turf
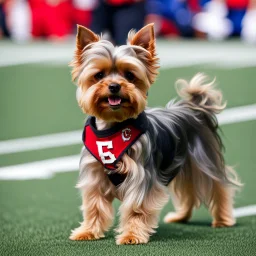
{"points": [[37, 99], [37, 218]]}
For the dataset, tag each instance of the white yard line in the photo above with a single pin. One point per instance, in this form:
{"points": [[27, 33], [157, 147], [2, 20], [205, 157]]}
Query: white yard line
{"points": [[237, 114], [229, 116], [223, 57], [44, 169], [41, 142], [245, 211]]}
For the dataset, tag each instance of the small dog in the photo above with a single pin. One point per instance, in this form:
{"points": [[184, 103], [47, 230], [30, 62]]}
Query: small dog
{"points": [[133, 153]]}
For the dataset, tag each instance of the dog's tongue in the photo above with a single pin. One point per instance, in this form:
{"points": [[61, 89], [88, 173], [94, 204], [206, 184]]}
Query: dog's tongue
{"points": [[114, 101]]}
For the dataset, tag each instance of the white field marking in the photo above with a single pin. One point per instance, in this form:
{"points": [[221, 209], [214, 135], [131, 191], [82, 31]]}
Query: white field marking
{"points": [[41, 142], [15, 54], [237, 114], [245, 211], [225, 57], [172, 54], [228, 116], [44, 169]]}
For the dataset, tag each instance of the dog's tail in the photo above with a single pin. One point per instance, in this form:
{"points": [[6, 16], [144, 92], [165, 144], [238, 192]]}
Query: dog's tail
{"points": [[201, 94], [205, 165]]}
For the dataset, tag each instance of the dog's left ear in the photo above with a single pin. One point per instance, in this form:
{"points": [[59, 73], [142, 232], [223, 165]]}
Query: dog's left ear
{"points": [[144, 38], [84, 37]]}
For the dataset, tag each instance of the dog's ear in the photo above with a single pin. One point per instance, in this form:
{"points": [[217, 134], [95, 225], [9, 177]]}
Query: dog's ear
{"points": [[144, 38], [84, 37]]}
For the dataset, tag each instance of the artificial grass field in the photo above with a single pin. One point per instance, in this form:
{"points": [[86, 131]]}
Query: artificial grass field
{"points": [[36, 216]]}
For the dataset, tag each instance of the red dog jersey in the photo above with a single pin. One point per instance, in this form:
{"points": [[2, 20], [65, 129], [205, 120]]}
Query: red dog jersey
{"points": [[108, 146]]}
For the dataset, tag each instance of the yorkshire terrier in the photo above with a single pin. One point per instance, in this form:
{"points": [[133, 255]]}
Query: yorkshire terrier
{"points": [[141, 155]]}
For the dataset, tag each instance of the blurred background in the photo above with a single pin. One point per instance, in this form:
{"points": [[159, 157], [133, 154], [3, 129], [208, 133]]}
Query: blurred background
{"points": [[25, 20]]}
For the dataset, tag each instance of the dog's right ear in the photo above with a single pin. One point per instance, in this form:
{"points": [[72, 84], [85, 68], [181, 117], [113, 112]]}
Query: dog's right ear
{"points": [[84, 37]]}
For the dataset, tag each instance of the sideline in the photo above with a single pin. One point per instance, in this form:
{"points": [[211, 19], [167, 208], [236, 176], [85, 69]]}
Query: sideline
{"points": [[173, 54], [228, 116]]}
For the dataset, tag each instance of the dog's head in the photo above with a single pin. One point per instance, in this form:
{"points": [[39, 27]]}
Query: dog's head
{"points": [[113, 81]]}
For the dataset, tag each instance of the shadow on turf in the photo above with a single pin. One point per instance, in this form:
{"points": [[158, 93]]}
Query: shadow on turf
{"points": [[194, 230]]}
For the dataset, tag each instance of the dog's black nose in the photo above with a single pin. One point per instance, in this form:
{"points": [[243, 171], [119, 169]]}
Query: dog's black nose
{"points": [[114, 88]]}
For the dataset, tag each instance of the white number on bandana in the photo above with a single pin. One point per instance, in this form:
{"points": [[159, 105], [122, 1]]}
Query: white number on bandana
{"points": [[106, 157]]}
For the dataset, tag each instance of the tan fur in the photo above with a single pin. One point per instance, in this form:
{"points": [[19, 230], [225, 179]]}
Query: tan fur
{"points": [[184, 201], [145, 38], [221, 206], [191, 188], [138, 223], [123, 165], [84, 37], [98, 194]]}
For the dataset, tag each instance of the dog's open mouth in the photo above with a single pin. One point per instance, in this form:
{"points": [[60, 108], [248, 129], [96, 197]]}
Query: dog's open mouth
{"points": [[115, 101]]}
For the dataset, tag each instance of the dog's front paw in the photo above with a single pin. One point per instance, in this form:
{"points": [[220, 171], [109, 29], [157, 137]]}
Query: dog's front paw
{"points": [[131, 239], [81, 234]]}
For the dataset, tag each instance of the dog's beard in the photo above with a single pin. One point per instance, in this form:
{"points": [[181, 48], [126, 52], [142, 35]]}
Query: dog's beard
{"points": [[99, 102]]}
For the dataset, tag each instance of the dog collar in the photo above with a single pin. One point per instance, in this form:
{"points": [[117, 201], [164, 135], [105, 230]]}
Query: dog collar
{"points": [[108, 146]]}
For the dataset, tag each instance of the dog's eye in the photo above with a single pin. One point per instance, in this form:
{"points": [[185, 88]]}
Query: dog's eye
{"points": [[129, 76], [99, 75]]}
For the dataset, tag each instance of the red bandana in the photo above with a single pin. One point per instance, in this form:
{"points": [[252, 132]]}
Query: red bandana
{"points": [[108, 146]]}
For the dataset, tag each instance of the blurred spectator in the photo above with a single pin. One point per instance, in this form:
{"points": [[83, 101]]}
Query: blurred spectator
{"points": [[172, 17], [18, 19], [51, 18], [223, 18], [248, 32], [23, 20], [118, 17], [83, 11], [4, 32]]}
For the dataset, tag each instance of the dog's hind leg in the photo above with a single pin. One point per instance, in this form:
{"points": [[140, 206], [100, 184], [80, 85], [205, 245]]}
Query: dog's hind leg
{"points": [[221, 206], [184, 200]]}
